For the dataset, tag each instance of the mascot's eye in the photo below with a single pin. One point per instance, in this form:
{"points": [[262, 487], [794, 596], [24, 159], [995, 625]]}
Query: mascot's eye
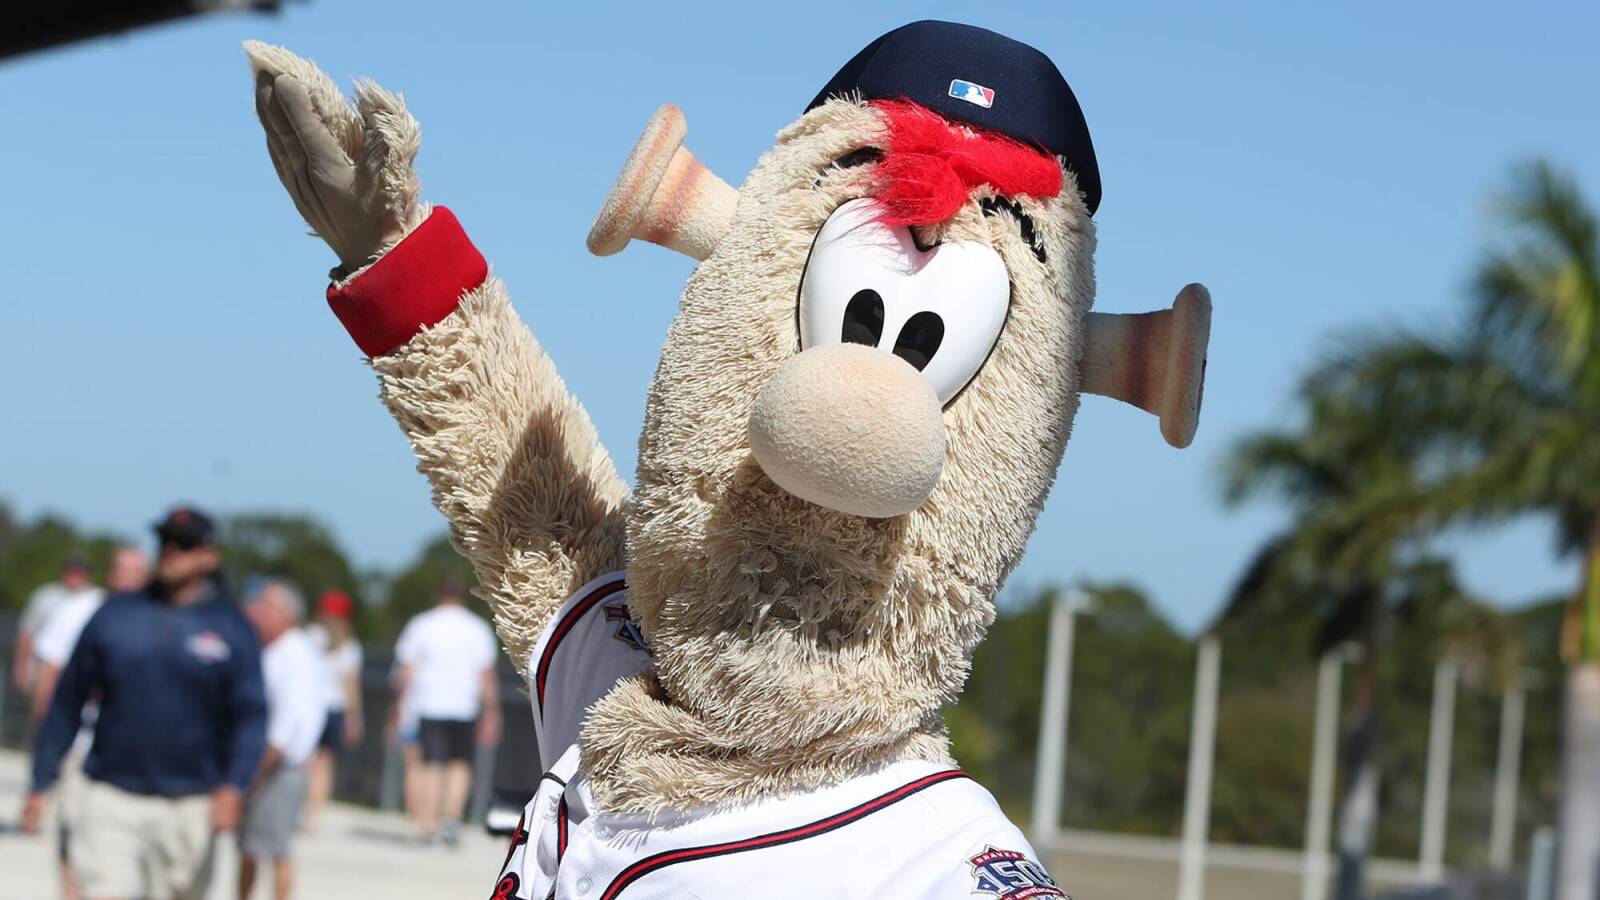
{"points": [[858, 157], [863, 319], [993, 206], [939, 308], [919, 339]]}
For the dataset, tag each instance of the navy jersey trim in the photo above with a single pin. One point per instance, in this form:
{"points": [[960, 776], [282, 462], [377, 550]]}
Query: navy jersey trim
{"points": [[566, 625], [787, 836]]}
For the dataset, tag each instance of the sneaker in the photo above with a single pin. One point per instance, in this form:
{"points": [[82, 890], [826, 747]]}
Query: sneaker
{"points": [[450, 833]]}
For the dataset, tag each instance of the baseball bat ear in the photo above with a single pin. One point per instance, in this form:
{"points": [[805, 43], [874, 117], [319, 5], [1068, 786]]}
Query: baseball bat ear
{"points": [[664, 195], [1155, 361]]}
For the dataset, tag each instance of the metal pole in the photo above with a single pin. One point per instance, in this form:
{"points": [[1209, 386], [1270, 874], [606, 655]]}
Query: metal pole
{"points": [[1050, 766], [1436, 793], [482, 782], [1542, 865], [1577, 839], [391, 783], [1503, 824], [5, 686], [1324, 747], [1202, 749]]}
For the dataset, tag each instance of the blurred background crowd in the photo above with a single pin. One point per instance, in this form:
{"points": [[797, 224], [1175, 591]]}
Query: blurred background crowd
{"points": [[98, 698]]}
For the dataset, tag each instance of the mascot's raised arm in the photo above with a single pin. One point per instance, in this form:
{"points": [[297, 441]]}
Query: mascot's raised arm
{"points": [[737, 669]]}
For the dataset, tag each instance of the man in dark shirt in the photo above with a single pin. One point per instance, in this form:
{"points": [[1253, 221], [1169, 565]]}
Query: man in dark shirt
{"points": [[182, 724]]}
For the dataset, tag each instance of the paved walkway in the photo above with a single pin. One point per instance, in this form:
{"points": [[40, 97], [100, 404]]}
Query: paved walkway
{"points": [[360, 853], [355, 853]]}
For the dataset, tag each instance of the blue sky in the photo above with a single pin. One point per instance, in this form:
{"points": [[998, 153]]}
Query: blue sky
{"points": [[1319, 167]]}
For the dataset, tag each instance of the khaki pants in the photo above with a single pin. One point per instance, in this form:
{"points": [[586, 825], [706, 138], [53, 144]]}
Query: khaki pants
{"points": [[69, 798], [133, 845]]}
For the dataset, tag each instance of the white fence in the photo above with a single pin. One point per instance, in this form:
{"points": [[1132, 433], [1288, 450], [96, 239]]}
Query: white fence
{"points": [[1314, 862]]}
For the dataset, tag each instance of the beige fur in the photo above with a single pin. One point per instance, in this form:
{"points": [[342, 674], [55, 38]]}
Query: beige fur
{"points": [[329, 102], [348, 168], [532, 498], [794, 644]]}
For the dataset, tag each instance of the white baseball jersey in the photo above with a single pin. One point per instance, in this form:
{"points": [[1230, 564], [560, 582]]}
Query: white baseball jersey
{"points": [[909, 830]]}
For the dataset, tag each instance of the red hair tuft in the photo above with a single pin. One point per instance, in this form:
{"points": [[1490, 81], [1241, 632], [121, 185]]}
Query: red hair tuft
{"points": [[931, 166]]}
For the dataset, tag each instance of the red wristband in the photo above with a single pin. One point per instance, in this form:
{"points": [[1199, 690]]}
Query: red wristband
{"points": [[413, 286]]}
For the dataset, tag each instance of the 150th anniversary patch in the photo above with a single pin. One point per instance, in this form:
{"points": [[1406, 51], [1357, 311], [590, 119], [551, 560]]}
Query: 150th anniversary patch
{"points": [[1009, 875]]}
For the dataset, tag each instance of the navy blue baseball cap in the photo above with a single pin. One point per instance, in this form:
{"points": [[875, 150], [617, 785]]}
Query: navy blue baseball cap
{"points": [[977, 77], [186, 527]]}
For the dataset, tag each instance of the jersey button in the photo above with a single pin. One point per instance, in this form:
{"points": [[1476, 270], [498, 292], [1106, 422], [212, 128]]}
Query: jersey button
{"points": [[583, 886], [602, 832]]}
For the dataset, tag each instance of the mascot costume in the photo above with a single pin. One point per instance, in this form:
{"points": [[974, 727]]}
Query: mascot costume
{"points": [[737, 667]]}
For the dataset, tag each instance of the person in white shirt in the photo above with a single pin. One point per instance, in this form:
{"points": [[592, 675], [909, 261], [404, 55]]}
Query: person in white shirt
{"points": [[57, 633], [75, 581], [53, 644], [446, 657], [341, 686], [297, 708]]}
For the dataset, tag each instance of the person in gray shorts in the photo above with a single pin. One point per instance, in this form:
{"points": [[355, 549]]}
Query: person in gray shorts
{"points": [[272, 814], [297, 707]]}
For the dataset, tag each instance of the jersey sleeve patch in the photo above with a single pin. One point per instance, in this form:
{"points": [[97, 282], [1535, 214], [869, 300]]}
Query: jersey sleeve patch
{"points": [[592, 641], [1010, 875]]}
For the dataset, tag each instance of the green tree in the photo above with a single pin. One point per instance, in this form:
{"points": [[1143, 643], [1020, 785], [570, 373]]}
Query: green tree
{"points": [[1506, 412], [296, 548], [1334, 558], [31, 553], [1129, 714]]}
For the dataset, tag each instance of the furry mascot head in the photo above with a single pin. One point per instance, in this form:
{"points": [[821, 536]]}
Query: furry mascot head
{"points": [[859, 411]]}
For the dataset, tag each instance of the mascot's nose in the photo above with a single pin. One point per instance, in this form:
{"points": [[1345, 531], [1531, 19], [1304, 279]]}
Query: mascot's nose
{"points": [[851, 428]]}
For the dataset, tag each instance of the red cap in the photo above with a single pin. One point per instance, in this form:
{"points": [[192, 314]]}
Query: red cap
{"points": [[335, 603]]}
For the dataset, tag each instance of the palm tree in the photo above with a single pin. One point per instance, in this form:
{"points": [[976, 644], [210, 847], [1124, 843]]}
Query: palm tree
{"points": [[1504, 417], [1339, 555]]}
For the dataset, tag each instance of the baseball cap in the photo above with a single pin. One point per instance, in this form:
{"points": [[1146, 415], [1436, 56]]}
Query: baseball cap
{"points": [[186, 527], [979, 78], [335, 603]]}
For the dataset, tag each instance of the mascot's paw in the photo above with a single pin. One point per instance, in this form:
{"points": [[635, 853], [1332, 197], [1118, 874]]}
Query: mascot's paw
{"points": [[348, 167]]}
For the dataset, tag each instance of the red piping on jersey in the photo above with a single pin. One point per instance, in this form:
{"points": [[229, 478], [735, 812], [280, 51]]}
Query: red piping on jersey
{"points": [[565, 625], [561, 829], [689, 854], [518, 838]]}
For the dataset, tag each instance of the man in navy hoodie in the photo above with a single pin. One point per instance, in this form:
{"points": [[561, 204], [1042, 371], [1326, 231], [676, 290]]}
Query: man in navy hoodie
{"points": [[182, 724]]}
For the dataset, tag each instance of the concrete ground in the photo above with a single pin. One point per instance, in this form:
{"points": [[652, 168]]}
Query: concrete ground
{"points": [[355, 853], [362, 853], [1100, 866]]}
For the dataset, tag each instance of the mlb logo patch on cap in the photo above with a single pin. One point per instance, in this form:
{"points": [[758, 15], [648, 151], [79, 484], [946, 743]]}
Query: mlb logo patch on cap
{"points": [[915, 62], [972, 93]]}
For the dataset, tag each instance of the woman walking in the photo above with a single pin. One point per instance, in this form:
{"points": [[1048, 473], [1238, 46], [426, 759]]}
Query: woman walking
{"points": [[341, 679]]}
